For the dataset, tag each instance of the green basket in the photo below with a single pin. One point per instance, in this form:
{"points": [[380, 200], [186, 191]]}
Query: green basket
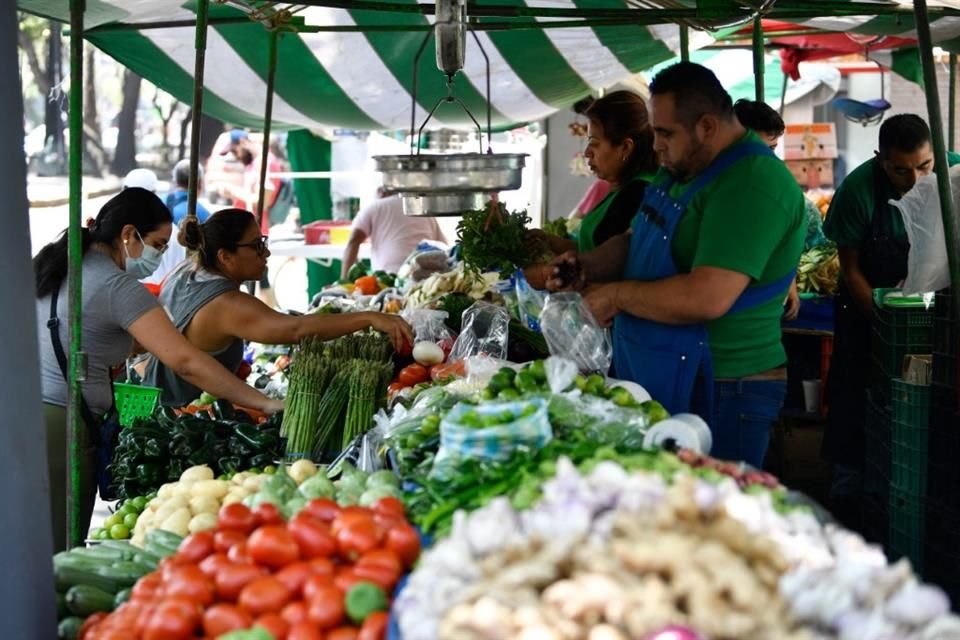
{"points": [[134, 401], [911, 418], [905, 537], [877, 443], [900, 327]]}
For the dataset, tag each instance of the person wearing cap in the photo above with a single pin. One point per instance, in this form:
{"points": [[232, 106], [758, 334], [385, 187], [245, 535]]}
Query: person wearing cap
{"points": [[141, 178], [873, 247], [393, 236], [177, 199]]}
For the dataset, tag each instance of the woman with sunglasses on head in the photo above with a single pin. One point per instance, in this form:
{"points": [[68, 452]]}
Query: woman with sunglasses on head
{"points": [[123, 244], [204, 299]]}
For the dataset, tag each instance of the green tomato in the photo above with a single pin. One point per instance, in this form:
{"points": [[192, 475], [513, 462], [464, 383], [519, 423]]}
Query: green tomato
{"points": [[130, 521], [113, 519], [119, 532]]}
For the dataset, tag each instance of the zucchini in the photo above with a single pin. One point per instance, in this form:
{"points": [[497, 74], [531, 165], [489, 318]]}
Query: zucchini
{"points": [[84, 600], [158, 550], [121, 597], [133, 568], [147, 560], [166, 539], [100, 554], [69, 576], [62, 607], [69, 628], [124, 547], [122, 577]]}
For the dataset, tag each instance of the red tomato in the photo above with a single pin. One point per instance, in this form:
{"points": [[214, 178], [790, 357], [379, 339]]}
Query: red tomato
{"points": [[384, 577], [346, 579], [264, 595], [234, 577], [212, 564], [223, 618], [273, 546], [147, 587], [406, 349], [312, 536], [237, 517], [374, 627], [223, 540], [187, 607], [413, 374], [239, 554], [322, 509], [272, 622], [403, 540], [304, 630], [325, 608], [395, 387], [191, 583], [91, 622], [294, 613], [293, 576], [169, 622], [343, 633], [390, 505], [194, 548], [268, 513], [382, 558], [358, 538], [316, 583], [322, 567]]}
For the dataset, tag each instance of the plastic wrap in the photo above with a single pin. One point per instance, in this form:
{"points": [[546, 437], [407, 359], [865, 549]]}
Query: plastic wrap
{"points": [[429, 325], [604, 422], [530, 301], [485, 331], [572, 332]]}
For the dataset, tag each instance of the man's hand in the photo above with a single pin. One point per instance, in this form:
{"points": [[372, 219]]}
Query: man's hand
{"points": [[395, 327], [602, 301], [792, 309], [565, 273]]}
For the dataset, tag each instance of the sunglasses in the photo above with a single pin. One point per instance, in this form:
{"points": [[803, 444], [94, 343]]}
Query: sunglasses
{"points": [[260, 245]]}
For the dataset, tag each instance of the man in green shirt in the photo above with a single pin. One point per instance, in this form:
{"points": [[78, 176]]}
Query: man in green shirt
{"points": [[873, 248], [696, 290]]}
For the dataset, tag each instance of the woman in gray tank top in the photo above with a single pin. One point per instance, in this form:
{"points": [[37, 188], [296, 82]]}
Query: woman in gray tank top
{"points": [[204, 299]]}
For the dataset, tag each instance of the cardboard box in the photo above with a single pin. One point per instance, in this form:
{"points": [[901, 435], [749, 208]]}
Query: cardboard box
{"points": [[812, 174], [816, 141]]}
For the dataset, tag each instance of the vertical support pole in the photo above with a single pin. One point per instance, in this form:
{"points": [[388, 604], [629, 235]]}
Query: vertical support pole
{"points": [[77, 361], [952, 104], [267, 119], [685, 43], [200, 41], [758, 62], [950, 225]]}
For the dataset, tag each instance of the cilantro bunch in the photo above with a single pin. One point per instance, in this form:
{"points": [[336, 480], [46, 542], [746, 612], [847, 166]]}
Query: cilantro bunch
{"points": [[494, 239]]}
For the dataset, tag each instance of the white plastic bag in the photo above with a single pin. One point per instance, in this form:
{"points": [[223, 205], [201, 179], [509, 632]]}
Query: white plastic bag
{"points": [[927, 268], [572, 332], [485, 331]]}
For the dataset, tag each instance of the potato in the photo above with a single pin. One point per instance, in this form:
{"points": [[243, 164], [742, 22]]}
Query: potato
{"points": [[202, 522], [168, 507], [200, 472], [204, 504], [253, 482], [238, 478], [213, 488], [184, 488], [165, 491], [230, 498], [301, 470], [178, 522], [156, 503]]}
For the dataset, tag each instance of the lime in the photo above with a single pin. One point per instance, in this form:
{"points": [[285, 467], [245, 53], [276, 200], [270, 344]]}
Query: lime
{"points": [[538, 370], [113, 519], [655, 411], [127, 508], [580, 382], [103, 534], [526, 382], [119, 532], [96, 533], [254, 470], [488, 394], [595, 384], [508, 394], [139, 503], [130, 521], [269, 469]]}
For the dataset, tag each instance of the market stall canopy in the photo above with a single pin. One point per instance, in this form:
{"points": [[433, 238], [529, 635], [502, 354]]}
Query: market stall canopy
{"points": [[359, 75]]}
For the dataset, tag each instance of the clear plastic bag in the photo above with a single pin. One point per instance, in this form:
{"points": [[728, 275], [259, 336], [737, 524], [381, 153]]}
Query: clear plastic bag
{"points": [[529, 301], [485, 331], [429, 325], [604, 422], [572, 332], [927, 268]]}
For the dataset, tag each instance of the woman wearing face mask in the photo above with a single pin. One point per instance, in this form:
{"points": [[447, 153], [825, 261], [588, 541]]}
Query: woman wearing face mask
{"points": [[204, 299], [124, 243]]}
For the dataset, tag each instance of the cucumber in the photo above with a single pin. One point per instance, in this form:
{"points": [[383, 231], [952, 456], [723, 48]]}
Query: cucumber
{"points": [[62, 611], [147, 560], [165, 538], [69, 628], [84, 600], [102, 553], [69, 576], [158, 550], [122, 577], [126, 549], [132, 567], [121, 597]]}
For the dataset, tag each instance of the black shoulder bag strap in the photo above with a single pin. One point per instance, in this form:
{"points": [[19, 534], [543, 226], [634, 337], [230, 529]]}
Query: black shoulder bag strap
{"points": [[54, 325]]}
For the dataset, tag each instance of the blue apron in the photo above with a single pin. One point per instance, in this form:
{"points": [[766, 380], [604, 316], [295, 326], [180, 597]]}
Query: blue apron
{"points": [[666, 359]]}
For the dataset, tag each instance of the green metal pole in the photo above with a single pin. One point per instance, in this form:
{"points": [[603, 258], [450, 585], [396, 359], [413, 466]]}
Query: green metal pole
{"points": [[950, 225], [78, 363], [952, 103], [198, 64], [267, 118], [758, 62], [684, 43]]}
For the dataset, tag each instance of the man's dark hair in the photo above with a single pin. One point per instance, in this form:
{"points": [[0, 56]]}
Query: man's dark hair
{"points": [[759, 116], [905, 132], [181, 173], [696, 92]]}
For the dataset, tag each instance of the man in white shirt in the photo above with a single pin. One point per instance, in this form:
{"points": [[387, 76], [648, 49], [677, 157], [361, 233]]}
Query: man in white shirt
{"points": [[393, 236]]}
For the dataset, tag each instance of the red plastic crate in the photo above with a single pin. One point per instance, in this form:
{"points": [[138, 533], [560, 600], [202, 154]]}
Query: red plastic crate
{"points": [[323, 231]]}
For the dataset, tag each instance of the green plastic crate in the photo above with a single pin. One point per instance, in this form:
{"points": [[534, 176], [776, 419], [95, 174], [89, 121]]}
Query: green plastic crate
{"points": [[900, 327], [878, 438], [907, 524], [134, 401], [911, 419]]}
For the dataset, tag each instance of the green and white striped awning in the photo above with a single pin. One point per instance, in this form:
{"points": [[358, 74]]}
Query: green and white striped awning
{"points": [[362, 79]]}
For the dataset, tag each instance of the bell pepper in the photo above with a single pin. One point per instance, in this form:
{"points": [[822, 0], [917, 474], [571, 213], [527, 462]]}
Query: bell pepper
{"points": [[223, 410], [229, 464], [258, 439], [180, 446], [150, 474], [153, 449], [175, 469], [262, 460]]}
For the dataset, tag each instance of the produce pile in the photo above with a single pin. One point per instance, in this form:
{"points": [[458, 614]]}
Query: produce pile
{"points": [[335, 388], [494, 239], [819, 270], [325, 573], [160, 448], [614, 554]]}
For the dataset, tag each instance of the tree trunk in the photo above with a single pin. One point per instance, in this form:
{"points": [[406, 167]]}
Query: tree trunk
{"points": [[53, 114], [94, 158], [125, 158], [33, 61]]}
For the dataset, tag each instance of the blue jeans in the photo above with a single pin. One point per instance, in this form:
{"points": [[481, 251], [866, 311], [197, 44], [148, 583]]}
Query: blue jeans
{"points": [[743, 412]]}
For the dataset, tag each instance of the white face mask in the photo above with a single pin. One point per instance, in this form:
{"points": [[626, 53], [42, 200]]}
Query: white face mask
{"points": [[146, 264]]}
